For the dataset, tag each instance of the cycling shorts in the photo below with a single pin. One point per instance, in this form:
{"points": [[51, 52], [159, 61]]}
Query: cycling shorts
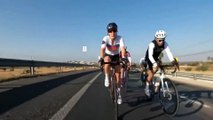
{"points": [[114, 58]]}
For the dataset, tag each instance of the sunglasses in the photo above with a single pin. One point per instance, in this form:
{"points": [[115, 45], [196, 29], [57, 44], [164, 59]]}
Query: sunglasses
{"points": [[160, 40], [112, 30]]}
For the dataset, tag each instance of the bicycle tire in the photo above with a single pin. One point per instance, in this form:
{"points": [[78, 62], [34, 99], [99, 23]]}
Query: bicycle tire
{"points": [[169, 103], [115, 96]]}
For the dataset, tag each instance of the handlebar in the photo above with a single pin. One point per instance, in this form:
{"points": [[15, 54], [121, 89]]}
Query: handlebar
{"points": [[163, 66], [112, 64]]}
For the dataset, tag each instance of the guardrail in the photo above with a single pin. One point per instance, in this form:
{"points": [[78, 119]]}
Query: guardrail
{"points": [[194, 76], [32, 63]]}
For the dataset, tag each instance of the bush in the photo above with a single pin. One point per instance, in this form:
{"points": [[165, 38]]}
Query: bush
{"points": [[194, 64], [12, 69], [202, 68], [188, 69]]}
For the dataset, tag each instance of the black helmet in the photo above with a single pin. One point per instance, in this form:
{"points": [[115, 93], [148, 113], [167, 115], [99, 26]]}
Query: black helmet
{"points": [[112, 26]]}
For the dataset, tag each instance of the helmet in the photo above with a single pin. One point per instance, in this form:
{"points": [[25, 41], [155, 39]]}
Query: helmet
{"points": [[160, 34], [176, 59], [112, 26]]}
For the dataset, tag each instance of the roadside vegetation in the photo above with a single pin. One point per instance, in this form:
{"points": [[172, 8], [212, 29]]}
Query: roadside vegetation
{"points": [[197, 67]]}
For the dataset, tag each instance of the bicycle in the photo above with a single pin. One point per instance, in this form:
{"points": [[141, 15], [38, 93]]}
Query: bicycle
{"points": [[167, 92], [113, 86]]}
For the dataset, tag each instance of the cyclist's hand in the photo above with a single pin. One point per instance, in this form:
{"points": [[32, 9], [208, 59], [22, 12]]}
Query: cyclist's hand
{"points": [[175, 63], [101, 61]]}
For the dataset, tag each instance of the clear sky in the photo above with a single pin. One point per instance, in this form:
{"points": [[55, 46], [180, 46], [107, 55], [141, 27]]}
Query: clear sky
{"points": [[56, 30]]}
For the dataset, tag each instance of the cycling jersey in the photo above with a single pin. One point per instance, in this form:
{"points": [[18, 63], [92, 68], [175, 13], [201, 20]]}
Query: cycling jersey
{"points": [[112, 48], [154, 51]]}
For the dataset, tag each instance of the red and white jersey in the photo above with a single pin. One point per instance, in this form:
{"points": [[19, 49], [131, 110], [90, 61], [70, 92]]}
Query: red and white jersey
{"points": [[112, 48]]}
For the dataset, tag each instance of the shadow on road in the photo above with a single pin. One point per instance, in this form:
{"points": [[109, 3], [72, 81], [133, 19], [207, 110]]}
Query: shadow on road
{"points": [[191, 102], [135, 100], [18, 95]]}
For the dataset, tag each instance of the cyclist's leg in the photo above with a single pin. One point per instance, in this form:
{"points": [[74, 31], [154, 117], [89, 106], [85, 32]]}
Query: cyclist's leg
{"points": [[107, 70], [149, 78], [118, 77], [122, 75], [148, 82], [117, 73]]}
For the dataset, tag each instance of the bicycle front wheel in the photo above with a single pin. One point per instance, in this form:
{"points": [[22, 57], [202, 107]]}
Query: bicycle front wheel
{"points": [[168, 96]]}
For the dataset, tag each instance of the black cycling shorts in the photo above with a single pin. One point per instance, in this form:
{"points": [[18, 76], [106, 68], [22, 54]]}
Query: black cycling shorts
{"points": [[114, 58]]}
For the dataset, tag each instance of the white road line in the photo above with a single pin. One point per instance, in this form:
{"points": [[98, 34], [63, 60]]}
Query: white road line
{"points": [[196, 102], [62, 113]]}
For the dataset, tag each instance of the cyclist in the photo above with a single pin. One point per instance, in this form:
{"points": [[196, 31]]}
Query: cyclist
{"points": [[129, 63], [112, 44], [143, 65], [152, 57]]}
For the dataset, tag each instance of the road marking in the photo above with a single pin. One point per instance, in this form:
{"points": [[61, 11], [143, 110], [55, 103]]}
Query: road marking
{"points": [[196, 102], [62, 113]]}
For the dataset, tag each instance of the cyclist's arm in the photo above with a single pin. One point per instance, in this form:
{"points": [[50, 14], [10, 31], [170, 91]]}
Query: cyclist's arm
{"points": [[130, 60], [122, 47], [103, 47], [150, 52], [168, 52]]}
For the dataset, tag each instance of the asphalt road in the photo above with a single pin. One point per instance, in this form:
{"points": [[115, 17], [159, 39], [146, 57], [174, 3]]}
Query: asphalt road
{"points": [[82, 96]]}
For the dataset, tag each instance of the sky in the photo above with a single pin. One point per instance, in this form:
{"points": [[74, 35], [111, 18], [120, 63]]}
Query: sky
{"points": [[56, 30]]}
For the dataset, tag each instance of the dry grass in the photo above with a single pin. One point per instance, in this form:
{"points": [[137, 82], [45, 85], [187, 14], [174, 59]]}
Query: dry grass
{"points": [[13, 73], [198, 72]]}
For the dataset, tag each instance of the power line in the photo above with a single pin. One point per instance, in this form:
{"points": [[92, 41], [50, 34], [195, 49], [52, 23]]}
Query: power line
{"points": [[203, 52], [195, 44]]}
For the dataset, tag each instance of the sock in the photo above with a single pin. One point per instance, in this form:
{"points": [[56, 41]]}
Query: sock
{"points": [[106, 75], [147, 83]]}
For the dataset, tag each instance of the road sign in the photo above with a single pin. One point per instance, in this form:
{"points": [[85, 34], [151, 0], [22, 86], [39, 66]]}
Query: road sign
{"points": [[84, 49]]}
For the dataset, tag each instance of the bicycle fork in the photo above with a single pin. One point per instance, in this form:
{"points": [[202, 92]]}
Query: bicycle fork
{"points": [[165, 87]]}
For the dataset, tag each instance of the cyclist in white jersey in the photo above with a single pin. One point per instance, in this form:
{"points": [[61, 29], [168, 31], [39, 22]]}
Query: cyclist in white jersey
{"points": [[111, 46], [152, 56]]}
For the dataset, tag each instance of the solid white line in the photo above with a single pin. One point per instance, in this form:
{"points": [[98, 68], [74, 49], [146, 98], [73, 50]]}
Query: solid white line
{"points": [[62, 113]]}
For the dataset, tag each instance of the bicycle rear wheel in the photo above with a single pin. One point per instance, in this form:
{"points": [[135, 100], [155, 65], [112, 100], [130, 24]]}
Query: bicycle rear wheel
{"points": [[169, 101]]}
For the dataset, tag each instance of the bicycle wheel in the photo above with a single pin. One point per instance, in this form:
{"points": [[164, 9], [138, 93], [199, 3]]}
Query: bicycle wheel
{"points": [[169, 98], [115, 94]]}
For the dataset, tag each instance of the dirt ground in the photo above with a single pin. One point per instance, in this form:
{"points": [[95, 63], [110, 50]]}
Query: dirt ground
{"points": [[13, 73], [208, 72]]}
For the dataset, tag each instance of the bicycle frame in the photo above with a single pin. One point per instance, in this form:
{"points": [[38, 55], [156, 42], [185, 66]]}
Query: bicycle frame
{"points": [[162, 76]]}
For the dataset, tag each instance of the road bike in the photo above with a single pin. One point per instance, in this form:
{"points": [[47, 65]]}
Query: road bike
{"points": [[167, 91], [113, 86]]}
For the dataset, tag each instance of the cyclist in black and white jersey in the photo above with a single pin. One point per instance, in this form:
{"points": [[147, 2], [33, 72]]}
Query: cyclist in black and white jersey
{"points": [[152, 56], [111, 46]]}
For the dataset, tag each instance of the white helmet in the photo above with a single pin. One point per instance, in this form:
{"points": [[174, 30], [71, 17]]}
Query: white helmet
{"points": [[160, 34]]}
